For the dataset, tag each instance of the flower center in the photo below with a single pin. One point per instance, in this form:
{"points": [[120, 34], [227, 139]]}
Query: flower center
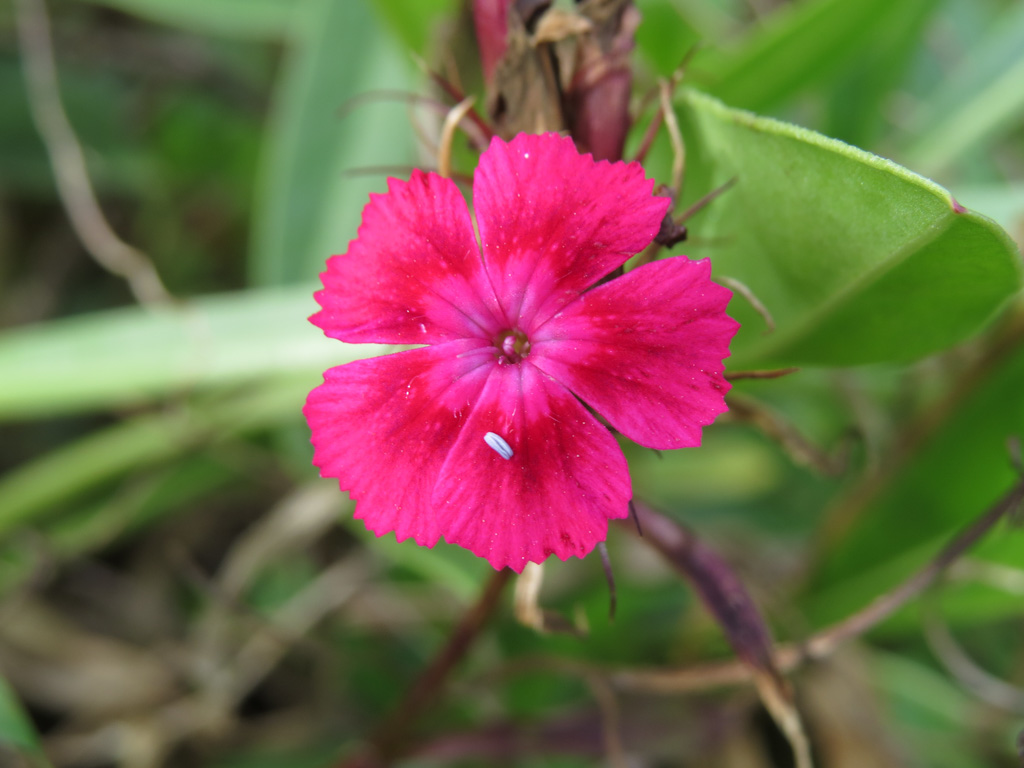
{"points": [[513, 346]]}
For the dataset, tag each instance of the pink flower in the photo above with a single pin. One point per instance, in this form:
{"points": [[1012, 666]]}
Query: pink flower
{"points": [[516, 350]]}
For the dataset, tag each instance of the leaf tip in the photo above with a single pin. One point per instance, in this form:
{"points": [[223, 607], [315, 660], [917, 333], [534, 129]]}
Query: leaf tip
{"points": [[957, 208]]}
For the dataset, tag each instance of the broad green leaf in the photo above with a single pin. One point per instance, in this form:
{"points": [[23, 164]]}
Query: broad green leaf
{"points": [[16, 731], [983, 95], [857, 259], [260, 19], [798, 46], [309, 201], [129, 356], [1003, 202]]}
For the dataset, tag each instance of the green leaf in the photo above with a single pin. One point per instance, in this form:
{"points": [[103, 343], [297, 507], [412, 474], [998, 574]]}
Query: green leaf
{"points": [[16, 729], [799, 46], [259, 19], [129, 356], [1003, 202], [857, 259], [309, 201]]}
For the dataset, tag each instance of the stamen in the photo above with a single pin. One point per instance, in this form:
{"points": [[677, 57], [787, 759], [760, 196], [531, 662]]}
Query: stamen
{"points": [[497, 442], [513, 345], [508, 346]]}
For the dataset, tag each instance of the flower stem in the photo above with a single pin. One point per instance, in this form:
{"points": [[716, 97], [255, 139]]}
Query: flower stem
{"points": [[391, 739]]}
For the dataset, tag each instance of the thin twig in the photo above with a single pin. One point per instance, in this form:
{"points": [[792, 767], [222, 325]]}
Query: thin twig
{"points": [[477, 136], [451, 124], [456, 94], [649, 135], [410, 98], [824, 643], [611, 720], [1014, 449], [526, 597], [801, 450], [883, 607], [703, 202], [391, 739], [652, 129], [632, 512], [209, 711], [264, 650], [530, 613], [744, 290], [675, 136], [775, 373], [68, 160], [982, 683], [779, 703], [609, 575]]}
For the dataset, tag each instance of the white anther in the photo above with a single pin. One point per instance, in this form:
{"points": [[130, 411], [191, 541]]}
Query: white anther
{"points": [[497, 442]]}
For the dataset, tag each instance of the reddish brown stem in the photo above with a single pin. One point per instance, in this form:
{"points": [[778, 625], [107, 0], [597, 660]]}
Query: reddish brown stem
{"points": [[457, 96], [703, 203], [649, 135], [391, 739]]}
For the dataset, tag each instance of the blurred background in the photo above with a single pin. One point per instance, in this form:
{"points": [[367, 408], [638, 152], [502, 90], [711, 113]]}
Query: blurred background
{"points": [[177, 586]]}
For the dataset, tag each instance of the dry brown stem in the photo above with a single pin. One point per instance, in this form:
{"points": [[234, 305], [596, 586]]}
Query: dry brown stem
{"points": [[68, 160]]}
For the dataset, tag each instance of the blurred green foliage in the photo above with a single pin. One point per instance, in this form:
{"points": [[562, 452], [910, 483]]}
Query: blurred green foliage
{"points": [[149, 452]]}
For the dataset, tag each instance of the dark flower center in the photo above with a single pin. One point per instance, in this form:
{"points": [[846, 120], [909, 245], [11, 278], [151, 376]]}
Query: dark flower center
{"points": [[512, 346]]}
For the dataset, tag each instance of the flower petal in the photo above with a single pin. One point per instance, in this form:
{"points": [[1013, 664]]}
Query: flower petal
{"points": [[566, 478], [384, 426], [645, 350], [414, 273], [553, 222]]}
